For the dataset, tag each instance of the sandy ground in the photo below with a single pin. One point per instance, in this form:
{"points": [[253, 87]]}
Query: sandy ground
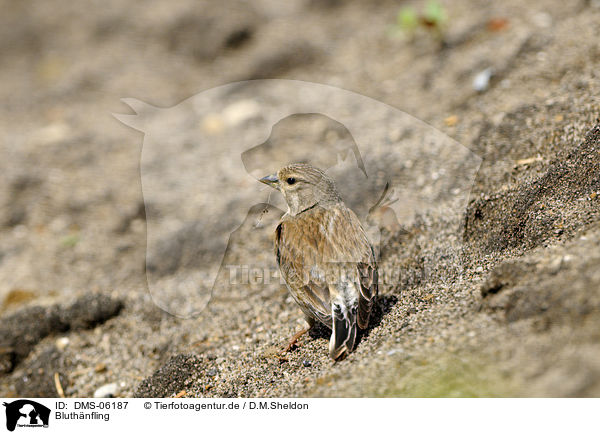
{"points": [[498, 297]]}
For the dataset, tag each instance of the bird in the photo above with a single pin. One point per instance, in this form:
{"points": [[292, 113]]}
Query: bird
{"points": [[324, 256]]}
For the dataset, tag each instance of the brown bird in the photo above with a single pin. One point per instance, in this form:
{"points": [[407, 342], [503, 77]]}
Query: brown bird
{"points": [[324, 256]]}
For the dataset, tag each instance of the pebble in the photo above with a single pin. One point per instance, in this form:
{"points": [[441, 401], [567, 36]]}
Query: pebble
{"points": [[240, 111], [555, 265], [61, 343], [481, 82], [212, 372], [306, 363], [451, 121], [107, 391]]}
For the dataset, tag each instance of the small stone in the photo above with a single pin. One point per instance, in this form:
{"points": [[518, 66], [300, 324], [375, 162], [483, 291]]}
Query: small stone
{"points": [[100, 367], [527, 161], [212, 372], [306, 364], [481, 81], [61, 343], [451, 121], [107, 391], [240, 111]]}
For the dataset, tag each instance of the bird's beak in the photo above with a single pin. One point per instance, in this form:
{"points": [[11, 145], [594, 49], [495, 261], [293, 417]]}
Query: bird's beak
{"points": [[270, 180]]}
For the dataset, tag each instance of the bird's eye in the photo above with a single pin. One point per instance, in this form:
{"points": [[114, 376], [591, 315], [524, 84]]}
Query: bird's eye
{"points": [[291, 180]]}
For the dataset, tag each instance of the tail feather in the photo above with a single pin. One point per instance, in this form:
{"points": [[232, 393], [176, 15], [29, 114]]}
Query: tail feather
{"points": [[343, 331], [364, 312]]}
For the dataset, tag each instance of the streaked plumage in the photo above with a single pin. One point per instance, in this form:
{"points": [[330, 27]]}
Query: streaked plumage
{"points": [[324, 255]]}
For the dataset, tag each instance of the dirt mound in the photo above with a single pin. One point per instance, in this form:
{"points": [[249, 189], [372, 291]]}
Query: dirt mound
{"points": [[558, 202]]}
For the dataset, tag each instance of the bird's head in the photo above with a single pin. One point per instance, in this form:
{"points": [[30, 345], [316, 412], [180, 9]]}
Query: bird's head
{"points": [[303, 186]]}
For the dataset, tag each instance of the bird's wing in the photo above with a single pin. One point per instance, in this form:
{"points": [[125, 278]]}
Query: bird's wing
{"points": [[297, 251]]}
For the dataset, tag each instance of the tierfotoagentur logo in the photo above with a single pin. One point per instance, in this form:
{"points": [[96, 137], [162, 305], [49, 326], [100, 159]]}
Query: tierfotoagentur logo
{"points": [[25, 413], [202, 160], [249, 275]]}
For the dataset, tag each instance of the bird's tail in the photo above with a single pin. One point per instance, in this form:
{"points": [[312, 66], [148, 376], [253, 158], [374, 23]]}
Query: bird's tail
{"points": [[343, 331]]}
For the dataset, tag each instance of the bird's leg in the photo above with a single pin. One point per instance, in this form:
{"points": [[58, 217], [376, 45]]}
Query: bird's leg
{"points": [[294, 339], [310, 322]]}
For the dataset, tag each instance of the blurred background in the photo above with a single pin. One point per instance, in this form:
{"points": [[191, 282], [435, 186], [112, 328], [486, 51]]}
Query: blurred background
{"points": [[515, 82]]}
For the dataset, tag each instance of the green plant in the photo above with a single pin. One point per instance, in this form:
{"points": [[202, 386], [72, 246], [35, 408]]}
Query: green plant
{"points": [[70, 240], [409, 20]]}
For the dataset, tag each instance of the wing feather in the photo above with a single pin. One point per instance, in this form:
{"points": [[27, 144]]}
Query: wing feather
{"points": [[329, 266], [307, 286]]}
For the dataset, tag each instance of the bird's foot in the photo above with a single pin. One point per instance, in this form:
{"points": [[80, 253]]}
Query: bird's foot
{"points": [[294, 341]]}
